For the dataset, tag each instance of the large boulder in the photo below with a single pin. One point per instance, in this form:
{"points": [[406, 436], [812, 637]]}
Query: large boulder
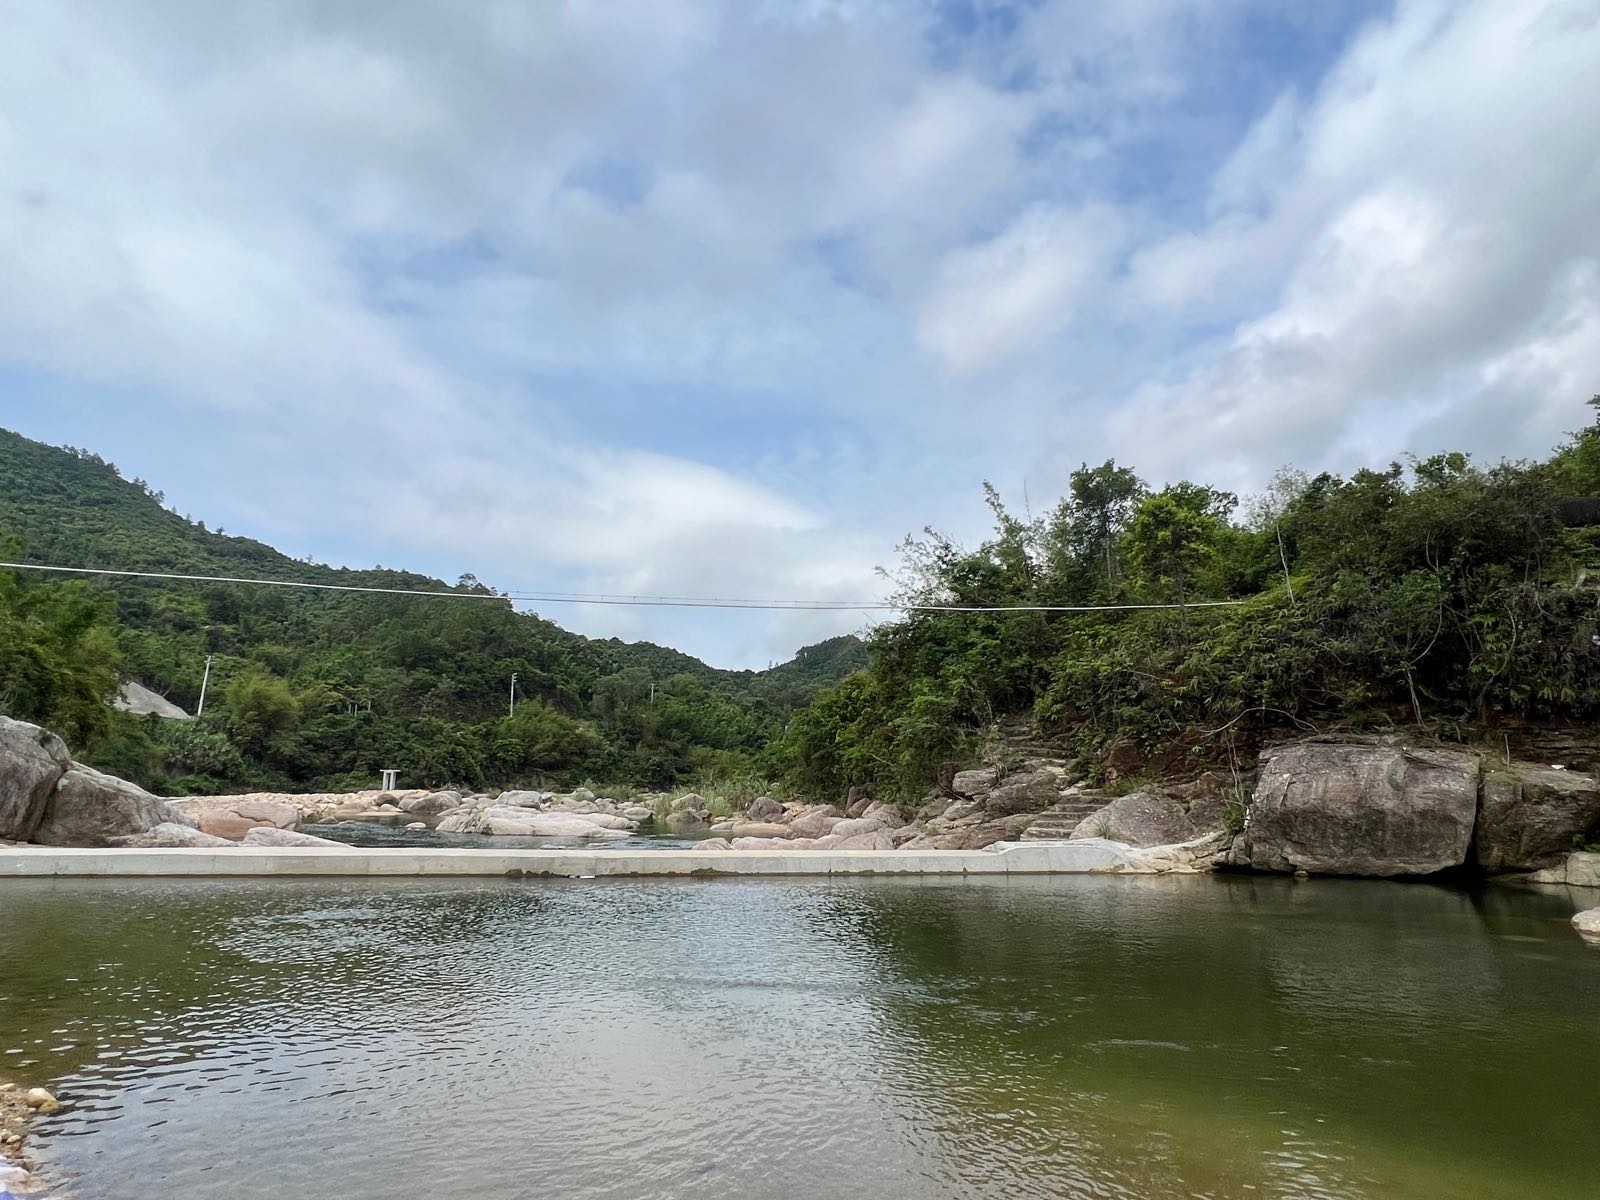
{"points": [[685, 819], [268, 836], [91, 809], [815, 822], [1150, 819], [1359, 809], [229, 825], [764, 829], [764, 808], [976, 783], [32, 762], [433, 804], [691, 801], [853, 826], [857, 801], [523, 822], [1032, 790], [513, 799], [1529, 816]]}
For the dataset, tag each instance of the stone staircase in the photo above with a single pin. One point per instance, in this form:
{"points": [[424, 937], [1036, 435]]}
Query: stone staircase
{"points": [[1057, 822]]}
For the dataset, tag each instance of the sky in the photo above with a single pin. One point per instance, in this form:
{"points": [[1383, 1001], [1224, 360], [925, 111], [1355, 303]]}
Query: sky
{"points": [[726, 297]]}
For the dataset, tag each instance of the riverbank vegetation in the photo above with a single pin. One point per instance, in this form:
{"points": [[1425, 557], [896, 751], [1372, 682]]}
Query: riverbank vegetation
{"points": [[1436, 595]]}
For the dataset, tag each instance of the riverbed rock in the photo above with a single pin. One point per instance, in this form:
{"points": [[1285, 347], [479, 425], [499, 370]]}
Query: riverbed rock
{"points": [[41, 1101], [638, 812], [433, 804], [271, 812], [223, 823], [1529, 815], [1587, 923], [89, 808], [1032, 790], [715, 843], [1151, 819], [1581, 868], [816, 822], [1334, 808], [523, 822], [171, 834], [764, 808], [32, 762], [767, 829], [521, 798], [876, 839], [267, 835], [691, 801]]}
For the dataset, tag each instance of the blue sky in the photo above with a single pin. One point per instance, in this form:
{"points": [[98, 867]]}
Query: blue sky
{"points": [[724, 297]]}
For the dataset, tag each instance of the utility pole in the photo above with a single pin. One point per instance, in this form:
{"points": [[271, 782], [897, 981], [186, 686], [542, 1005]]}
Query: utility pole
{"points": [[513, 711], [204, 679]]}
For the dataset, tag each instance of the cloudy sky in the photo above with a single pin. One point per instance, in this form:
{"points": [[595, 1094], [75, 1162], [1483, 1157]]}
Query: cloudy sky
{"points": [[723, 297]]}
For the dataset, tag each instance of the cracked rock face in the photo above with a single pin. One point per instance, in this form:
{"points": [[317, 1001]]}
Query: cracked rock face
{"points": [[1529, 815], [1350, 809], [32, 762]]}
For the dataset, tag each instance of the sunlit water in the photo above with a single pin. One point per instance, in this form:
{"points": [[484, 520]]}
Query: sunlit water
{"points": [[1066, 1037]]}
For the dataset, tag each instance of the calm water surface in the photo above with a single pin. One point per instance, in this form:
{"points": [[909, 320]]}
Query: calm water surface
{"points": [[1070, 1037]]}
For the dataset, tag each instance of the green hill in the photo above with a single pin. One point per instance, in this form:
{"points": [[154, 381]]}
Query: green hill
{"points": [[316, 689]]}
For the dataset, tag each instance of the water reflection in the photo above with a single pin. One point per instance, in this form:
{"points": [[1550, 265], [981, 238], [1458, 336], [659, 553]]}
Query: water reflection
{"points": [[766, 1038]]}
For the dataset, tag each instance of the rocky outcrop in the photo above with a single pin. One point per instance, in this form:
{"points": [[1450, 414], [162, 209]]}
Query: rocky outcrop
{"points": [[32, 762], [1529, 816], [1153, 818], [1357, 809], [141, 701], [88, 808]]}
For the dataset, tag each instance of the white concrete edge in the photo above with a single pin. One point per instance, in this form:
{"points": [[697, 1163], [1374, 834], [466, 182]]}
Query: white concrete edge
{"points": [[1091, 856]]}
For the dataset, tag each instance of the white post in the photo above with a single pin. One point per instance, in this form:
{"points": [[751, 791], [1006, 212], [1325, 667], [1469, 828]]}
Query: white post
{"points": [[204, 679], [513, 711], [390, 778]]}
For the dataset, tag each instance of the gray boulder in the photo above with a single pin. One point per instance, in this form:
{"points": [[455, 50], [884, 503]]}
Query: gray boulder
{"points": [[764, 808], [1026, 791], [171, 834], [692, 801], [685, 818], [1529, 816], [92, 809], [32, 762], [1149, 819], [433, 804], [267, 836], [976, 783], [815, 822], [516, 799], [857, 801], [1358, 809]]}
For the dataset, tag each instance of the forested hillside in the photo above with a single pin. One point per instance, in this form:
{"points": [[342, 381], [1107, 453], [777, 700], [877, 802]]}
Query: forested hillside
{"points": [[315, 689], [1438, 597]]}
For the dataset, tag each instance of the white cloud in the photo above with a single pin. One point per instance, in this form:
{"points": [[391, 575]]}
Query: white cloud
{"points": [[995, 300]]}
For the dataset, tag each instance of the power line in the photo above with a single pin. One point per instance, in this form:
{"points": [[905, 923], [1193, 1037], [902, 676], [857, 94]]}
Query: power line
{"points": [[634, 601]]}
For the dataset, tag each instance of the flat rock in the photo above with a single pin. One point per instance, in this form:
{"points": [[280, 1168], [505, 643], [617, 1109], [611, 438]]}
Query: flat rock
{"points": [[266, 835], [228, 825]]}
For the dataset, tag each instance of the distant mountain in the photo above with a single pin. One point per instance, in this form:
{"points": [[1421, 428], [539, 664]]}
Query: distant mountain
{"points": [[392, 666]]}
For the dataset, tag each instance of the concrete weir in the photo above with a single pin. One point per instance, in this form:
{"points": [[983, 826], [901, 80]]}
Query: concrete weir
{"points": [[1090, 856]]}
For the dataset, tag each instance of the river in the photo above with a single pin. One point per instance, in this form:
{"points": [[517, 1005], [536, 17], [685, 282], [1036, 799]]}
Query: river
{"points": [[765, 1038]]}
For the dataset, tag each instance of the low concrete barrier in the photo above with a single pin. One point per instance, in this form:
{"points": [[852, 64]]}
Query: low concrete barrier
{"points": [[1091, 856]]}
